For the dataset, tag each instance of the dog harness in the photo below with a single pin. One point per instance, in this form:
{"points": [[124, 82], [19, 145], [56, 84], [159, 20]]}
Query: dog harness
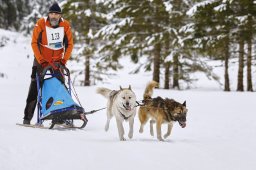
{"points": [[125, 118]]}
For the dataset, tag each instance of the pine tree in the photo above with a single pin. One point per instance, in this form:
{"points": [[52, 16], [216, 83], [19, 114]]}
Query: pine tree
{"points": [[250, 7], [33, 10], [138, 28], [240, 79], [8, 14], [177, 20], [86, 17], [127, 29], [243, 11], [213, 24]]}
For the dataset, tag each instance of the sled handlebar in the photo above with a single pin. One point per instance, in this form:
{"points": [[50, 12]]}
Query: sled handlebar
{"points": [[56, 65]]}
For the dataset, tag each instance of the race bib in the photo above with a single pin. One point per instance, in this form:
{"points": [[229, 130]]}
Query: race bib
{"points": [[55, 37]]}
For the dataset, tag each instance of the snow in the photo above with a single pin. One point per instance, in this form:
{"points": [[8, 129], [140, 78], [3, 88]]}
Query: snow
{"points": [[242, 19], [187, 28], [220, 132], [194, 9], [88, 12], [220, 8], [120, 40], [168, 6]]}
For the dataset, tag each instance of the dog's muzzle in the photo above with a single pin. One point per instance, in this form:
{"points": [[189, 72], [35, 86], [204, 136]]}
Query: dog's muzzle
{"points": [[127, 106], [182, 124]]}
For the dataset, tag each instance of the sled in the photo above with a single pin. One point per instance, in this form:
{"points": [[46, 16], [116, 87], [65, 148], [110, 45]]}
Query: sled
{"points": [[55, 101]]}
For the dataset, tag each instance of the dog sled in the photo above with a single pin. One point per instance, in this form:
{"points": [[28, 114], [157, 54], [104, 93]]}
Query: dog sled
{"points": [[55, 102]]}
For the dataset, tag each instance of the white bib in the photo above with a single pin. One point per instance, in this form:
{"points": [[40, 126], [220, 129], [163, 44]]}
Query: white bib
{"points": [[55, 38]]}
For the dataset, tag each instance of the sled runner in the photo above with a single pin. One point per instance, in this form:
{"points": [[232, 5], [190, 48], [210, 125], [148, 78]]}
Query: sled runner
{"points": [[55, 100], [59, 126]]}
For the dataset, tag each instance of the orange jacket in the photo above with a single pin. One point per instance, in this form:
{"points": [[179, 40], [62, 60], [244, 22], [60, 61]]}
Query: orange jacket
{"points": [[39, 42]]}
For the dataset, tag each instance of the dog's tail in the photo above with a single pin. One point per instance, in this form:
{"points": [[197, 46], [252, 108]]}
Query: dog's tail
{"points": [[104, 91], [149, 89]]}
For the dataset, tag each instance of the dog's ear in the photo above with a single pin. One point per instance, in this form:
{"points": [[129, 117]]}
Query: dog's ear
{"points": [[130, 88], [184, 104], [121, 88]]}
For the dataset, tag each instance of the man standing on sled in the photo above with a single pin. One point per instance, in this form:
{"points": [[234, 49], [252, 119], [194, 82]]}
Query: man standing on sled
{"points": [[51, 42]]}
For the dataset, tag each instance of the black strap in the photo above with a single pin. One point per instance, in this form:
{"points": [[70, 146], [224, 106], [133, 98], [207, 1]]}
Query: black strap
{"points": [[140, 103], [125, 116], [93, 111]]}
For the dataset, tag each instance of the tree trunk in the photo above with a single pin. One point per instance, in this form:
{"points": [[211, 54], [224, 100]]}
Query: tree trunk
{"points": [[87, 70], [87, 51], [167, 64], [249, 57], [226, 75], [167, 75], [156, 71], [176, 72], [240, 78], [249, 69]]}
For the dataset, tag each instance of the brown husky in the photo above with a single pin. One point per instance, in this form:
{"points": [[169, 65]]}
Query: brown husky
{"points": [[161, 111]]}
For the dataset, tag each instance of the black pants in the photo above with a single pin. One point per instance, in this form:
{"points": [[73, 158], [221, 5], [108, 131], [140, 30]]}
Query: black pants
{"points": [[32, 93], [32, 96]]}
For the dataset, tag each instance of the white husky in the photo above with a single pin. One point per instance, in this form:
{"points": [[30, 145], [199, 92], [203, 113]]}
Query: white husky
{"points": [[122, 105]]}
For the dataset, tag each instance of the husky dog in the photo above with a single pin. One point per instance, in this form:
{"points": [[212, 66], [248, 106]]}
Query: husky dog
{"points": [[160, 111], [122, 105]]}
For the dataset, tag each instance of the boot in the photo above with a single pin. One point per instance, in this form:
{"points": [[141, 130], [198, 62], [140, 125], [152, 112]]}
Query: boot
{"points": [[26, 122]]}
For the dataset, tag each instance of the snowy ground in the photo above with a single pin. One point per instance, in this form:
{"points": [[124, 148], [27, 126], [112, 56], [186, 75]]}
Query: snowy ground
{"points": [[220, 132]]}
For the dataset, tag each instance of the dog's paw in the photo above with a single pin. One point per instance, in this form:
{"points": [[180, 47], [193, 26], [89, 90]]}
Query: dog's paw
{"points": [[166, 135], [106, 128], [130, 135], [160, 139], [122, 139], [141, 130]]}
